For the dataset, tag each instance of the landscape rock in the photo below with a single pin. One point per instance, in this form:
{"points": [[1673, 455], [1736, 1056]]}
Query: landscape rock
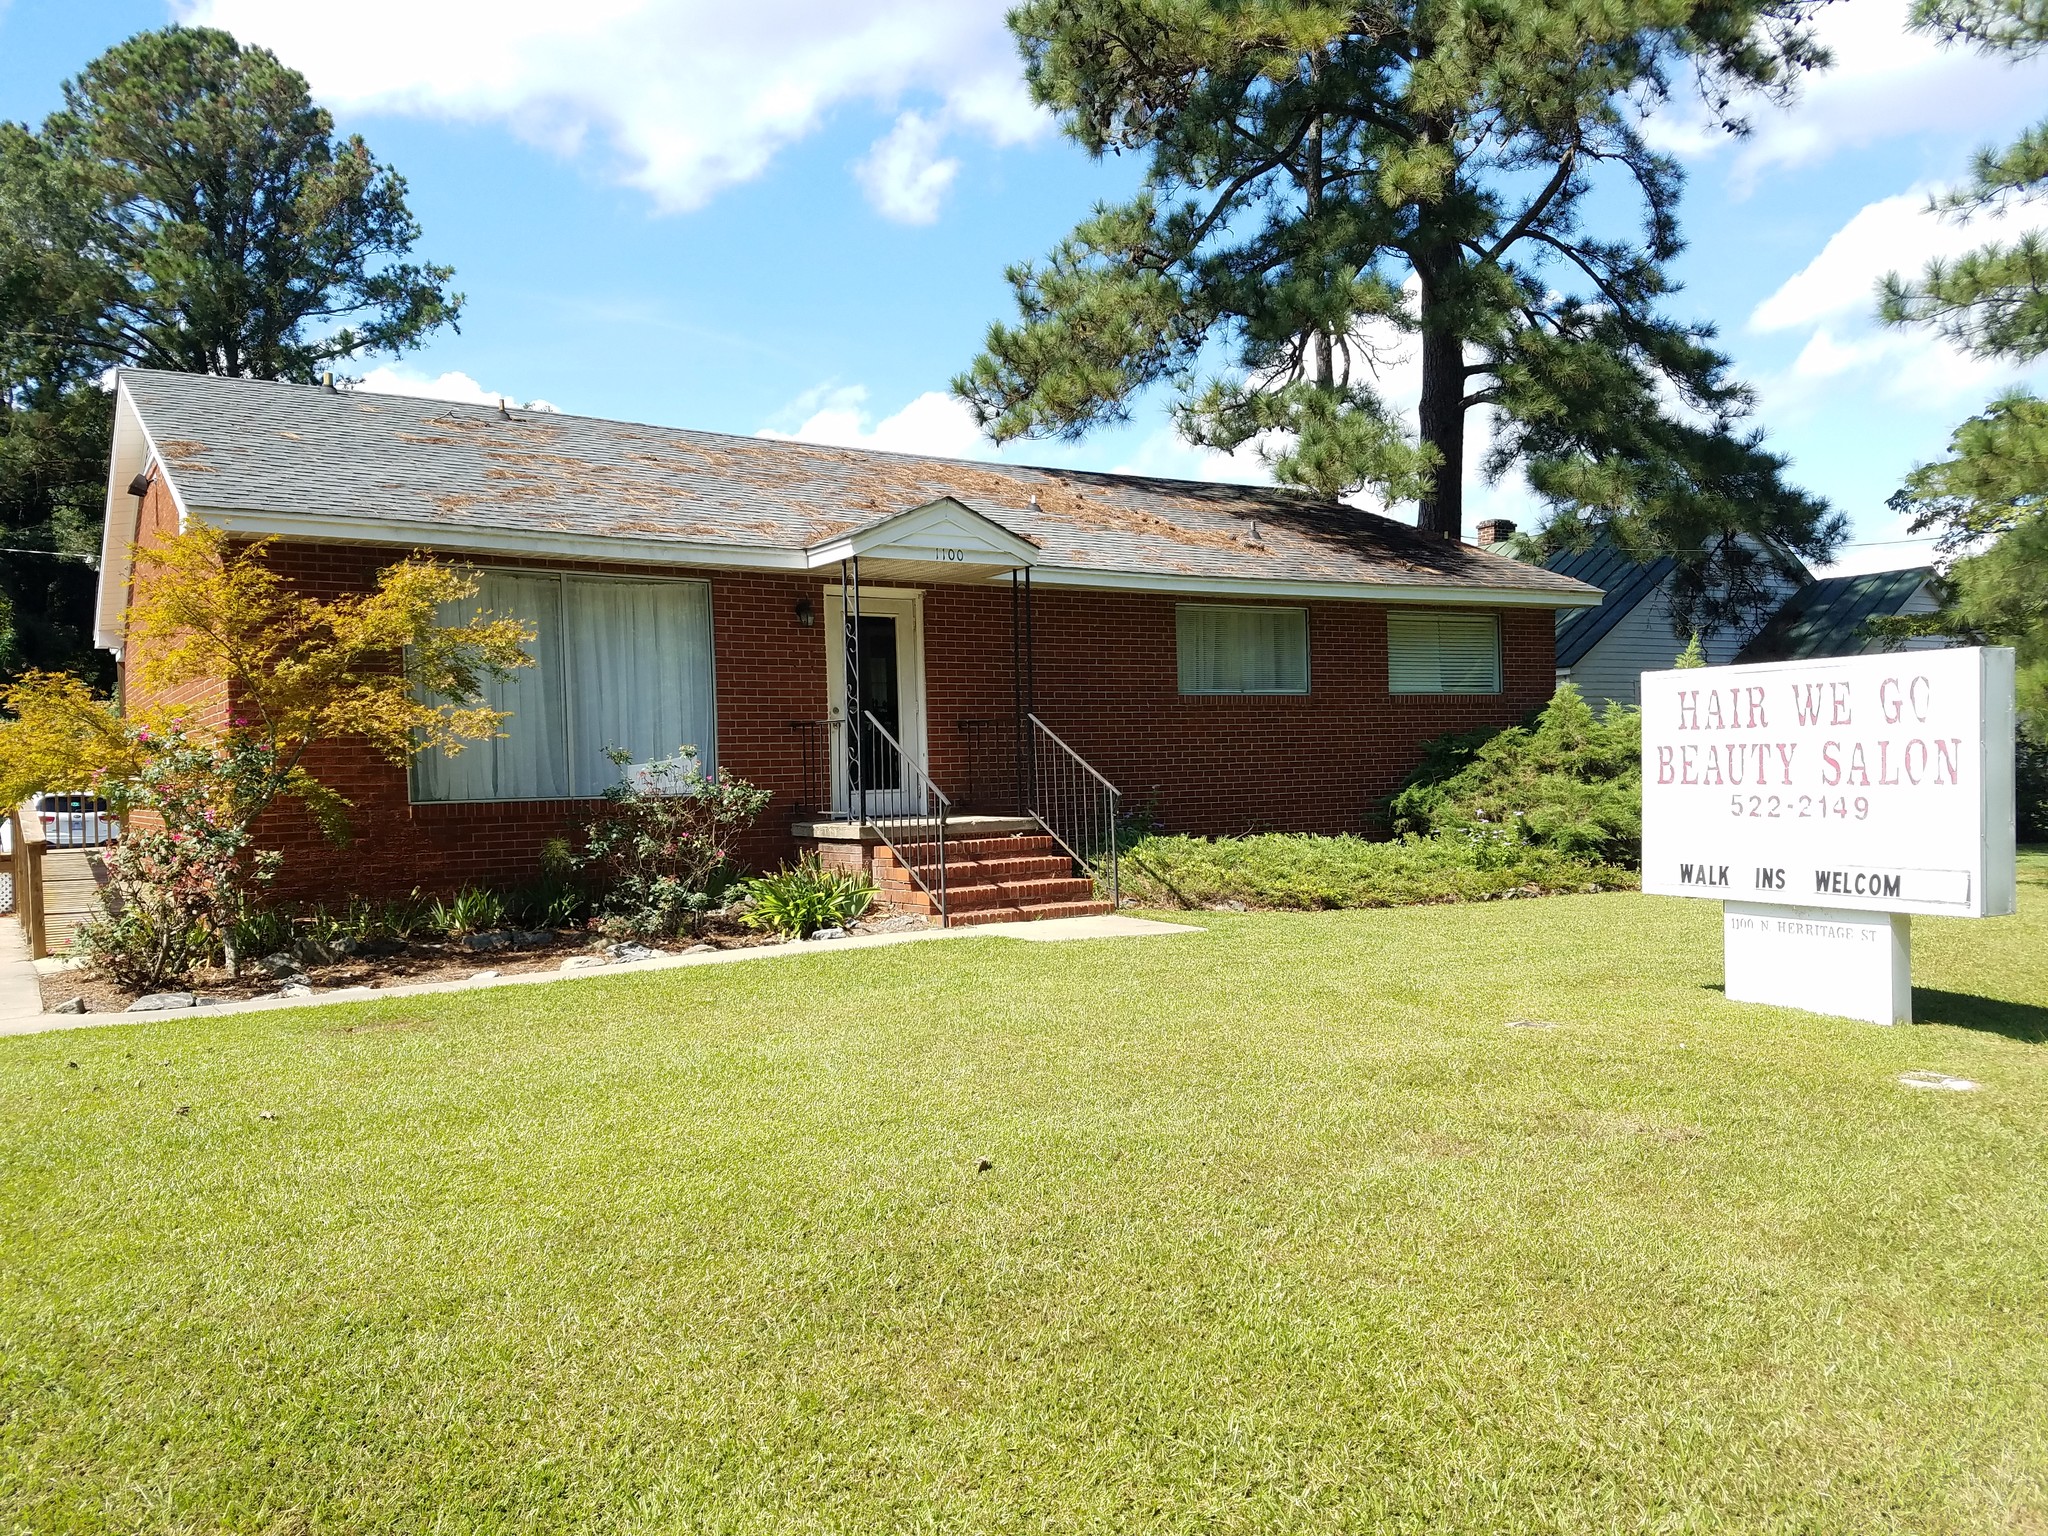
{"points": [[828, 933], [628, 952], [299, 988], [279, 964], [485, 976], [70, 1005], [157, 1002], [584, 962], [345, 946], [372, 949], [489, 941], [533, 938], [700, 949]]}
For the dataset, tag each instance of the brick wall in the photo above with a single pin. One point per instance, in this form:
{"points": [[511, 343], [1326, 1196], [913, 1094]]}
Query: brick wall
{"points": [[1107, 681], [204, 700]]}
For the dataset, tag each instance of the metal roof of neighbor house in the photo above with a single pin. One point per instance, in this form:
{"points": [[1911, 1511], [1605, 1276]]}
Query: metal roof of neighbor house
{"points": [[392, 468], [1624, 583], [1826, 618]]}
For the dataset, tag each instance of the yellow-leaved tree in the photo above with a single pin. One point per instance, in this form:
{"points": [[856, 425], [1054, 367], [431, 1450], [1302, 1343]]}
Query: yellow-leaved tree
{"points": [[380, 667]]}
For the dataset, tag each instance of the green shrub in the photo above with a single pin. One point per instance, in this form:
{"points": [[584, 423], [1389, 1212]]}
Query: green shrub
{"points": [[473, 909], [1304, 873], [2031, 789], [805, 897], [660, 853], [1570, 781]]}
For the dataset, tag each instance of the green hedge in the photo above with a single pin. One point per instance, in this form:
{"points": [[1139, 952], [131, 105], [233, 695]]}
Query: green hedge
{"points": [[1288, 870]]}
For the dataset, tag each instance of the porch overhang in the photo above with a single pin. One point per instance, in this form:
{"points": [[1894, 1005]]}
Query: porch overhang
{"points": [[942, 541]]}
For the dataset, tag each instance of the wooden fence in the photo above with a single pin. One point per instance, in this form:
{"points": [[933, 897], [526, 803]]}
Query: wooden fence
{"points": [[24, 864]]}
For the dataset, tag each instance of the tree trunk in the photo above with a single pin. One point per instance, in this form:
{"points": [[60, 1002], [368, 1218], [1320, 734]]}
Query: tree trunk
{"points": [[1443, 428]]}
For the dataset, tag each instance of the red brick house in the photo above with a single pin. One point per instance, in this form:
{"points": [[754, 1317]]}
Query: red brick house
{"points": [[1009, 642]]}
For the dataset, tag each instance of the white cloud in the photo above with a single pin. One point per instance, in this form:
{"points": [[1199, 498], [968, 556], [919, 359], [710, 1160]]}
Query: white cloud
{"points": [[683, 97], [1895, 234], [934, 423], [1832, 300], [1885, 83], [903, 174], [389, 379]]}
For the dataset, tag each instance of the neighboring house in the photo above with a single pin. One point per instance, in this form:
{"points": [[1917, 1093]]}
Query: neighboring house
{"points": [[1232, 658], [1832, 617], [1606, 649]]}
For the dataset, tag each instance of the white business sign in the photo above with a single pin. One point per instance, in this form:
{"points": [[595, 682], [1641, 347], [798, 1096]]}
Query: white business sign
{"points": [[1869, 783]]}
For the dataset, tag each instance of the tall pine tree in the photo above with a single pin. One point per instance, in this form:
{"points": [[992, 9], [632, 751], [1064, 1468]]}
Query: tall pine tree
{"points": [[189, 207], [1324, 180], [1989, 498]]}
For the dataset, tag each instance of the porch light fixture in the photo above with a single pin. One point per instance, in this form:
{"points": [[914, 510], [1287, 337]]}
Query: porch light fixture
{"points": [[139, 486], [805, 614]]}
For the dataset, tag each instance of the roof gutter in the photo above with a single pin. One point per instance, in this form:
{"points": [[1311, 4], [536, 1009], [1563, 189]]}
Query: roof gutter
{"points": [[713, 555]]}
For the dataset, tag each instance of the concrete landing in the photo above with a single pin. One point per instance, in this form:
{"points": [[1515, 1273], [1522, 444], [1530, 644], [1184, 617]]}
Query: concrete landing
{"points": [[958, 828]]}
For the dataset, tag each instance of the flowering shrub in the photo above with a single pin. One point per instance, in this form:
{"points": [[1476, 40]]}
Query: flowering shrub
{"points": [[660, 853], [185, 875]]}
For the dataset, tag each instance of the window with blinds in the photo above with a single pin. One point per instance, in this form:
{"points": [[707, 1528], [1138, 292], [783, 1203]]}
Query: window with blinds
{"points": [[1440, 651], [1242, 650], [617, 663]]}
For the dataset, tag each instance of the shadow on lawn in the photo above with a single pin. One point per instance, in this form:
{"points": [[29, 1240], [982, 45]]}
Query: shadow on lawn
{"points": [[1963, 1010], [2016, 1021]]}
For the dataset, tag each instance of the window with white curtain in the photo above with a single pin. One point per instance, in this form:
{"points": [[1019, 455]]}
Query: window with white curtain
{"points": [[617, 663], [1242, 650], [1441, 651]]}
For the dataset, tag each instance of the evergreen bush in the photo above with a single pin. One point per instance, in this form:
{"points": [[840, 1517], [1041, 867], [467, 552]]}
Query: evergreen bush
{"points": [[1570, 781]]}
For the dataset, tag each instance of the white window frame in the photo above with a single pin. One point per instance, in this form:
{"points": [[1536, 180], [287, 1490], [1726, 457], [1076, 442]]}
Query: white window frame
{"points": [[708, 760], [1307, 654], [1499, 681]]}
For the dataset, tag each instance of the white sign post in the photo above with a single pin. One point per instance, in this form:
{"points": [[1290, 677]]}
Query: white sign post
{"points": [[1824, 803]]}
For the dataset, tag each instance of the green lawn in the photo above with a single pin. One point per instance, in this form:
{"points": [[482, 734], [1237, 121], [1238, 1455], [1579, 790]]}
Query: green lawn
{"points": [[1285, 1231]]}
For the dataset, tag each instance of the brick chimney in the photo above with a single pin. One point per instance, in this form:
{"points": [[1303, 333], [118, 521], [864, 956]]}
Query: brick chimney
{"points": [[1495, 530]]}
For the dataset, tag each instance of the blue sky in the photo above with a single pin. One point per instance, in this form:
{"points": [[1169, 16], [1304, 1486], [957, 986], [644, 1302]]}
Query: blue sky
{"points": [[794, 216]]}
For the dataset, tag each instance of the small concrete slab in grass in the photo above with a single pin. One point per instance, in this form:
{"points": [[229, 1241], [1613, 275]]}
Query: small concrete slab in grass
{"points": [[1939, 1082]]}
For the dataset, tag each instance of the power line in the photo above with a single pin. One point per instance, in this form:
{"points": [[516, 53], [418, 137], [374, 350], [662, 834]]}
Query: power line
{"points": [[54, 554]]}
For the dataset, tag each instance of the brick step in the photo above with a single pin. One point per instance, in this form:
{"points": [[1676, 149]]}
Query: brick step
{"points": [[1036, 913], [1021, 846], [973, 898], [1024, 893], [973, 871]]}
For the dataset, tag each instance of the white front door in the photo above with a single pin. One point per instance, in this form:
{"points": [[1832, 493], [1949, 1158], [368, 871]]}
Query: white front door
{"points": [[892, 691]]}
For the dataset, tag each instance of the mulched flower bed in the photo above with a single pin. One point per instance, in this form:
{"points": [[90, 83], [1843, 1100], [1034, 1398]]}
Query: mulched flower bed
{"points": [[507, 954]]}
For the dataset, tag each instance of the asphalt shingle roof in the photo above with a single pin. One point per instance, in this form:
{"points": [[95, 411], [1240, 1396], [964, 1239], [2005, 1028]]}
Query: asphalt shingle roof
{"points": [[238, 444], [1826, 618]]}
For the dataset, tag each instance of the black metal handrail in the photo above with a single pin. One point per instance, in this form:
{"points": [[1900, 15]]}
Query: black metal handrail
{"points": [[1075, 805], [908, 814], [817, 741]]}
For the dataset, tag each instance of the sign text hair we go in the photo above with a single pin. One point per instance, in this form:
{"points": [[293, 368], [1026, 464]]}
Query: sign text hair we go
{"points": [[1867, 784]]}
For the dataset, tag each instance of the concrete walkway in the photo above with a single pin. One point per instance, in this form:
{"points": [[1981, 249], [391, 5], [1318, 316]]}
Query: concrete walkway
{"points": [[1053, 931], [21, 1000]]}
